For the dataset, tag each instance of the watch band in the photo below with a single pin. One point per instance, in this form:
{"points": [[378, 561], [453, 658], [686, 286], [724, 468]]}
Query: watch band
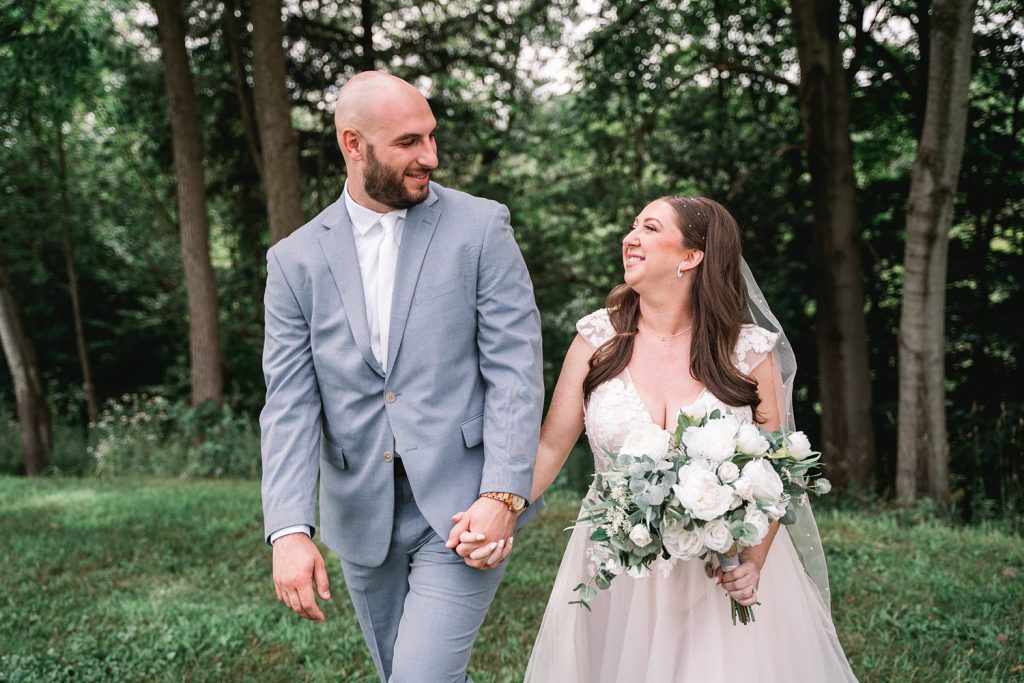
{"points": [[513, 502]]}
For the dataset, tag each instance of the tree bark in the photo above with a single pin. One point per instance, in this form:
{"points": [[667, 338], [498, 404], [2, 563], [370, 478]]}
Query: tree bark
{"points": [[33, 413], [278, 139], [233, 35], [848, 432], [366, 19], [204, 329], [923, 451], [69, 264]]}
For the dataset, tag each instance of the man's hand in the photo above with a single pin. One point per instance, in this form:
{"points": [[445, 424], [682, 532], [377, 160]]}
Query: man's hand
{"points": [[297, 564], [482, 535]]}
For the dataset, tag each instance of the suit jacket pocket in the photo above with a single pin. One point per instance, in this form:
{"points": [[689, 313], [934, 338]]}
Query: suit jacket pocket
{"points": [[473, 431], [432, 290], [332, 452]]}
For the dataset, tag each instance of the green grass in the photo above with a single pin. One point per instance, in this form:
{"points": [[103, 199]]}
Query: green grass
{"points": [[167, 580]]}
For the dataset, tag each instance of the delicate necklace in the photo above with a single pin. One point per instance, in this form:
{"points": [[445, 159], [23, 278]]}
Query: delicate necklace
{"points": [[666, 337]]}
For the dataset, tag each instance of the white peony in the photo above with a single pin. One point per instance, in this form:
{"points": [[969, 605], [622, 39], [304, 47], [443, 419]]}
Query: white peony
{"points": [[640, 535], [728, 472], [763, 479], [680, 543], [736, 502], [716, 535], [744, 489], [749, 440], [715, 441], [700, 494], [799, 445], [760, 522], [650, 440]]}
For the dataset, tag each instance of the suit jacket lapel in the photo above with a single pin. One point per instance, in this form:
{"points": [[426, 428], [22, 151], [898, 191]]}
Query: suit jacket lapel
{"points": [[420, 223], [340, 249]]}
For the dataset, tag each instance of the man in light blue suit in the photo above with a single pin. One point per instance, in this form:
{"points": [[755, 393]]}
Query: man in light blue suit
{"points": [[403, 368]]}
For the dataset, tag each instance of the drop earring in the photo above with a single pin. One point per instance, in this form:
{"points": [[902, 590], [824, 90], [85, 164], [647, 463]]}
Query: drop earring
{"points": [[679, 270]]}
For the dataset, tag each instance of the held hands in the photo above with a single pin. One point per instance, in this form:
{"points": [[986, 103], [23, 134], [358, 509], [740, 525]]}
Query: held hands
{"points": [[741, 583], [482, 535], [297, 564]]}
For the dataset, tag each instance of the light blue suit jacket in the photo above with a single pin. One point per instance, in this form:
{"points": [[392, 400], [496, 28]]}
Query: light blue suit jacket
{"points": [[463, 399]]}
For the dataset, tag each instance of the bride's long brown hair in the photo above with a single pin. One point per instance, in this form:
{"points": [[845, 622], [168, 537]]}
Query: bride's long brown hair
{"points": [[719, 298]]}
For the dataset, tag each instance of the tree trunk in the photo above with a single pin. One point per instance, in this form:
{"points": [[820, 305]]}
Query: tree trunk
{"points": [[278, 139], [204, 329], [923, 455], [233, 35], [848, 432], [366, 19], [69, 265], [33, 413]]}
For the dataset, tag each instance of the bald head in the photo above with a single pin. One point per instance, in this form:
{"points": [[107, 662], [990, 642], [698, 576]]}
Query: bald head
{"points": [[366, 99], [386, 132]]}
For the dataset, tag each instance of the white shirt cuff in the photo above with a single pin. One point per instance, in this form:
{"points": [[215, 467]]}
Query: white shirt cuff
{"points": [[297, 529]]}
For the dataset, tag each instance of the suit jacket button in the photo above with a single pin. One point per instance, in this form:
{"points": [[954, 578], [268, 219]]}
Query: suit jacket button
{"points": [[388, 457], [390, 397]]}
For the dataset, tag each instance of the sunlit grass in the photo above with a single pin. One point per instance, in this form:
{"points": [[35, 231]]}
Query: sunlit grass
{"points": [[168, 580]]}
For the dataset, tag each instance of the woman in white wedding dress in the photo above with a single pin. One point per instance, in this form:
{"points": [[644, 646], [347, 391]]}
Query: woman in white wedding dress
{"points": [[674, 337]]}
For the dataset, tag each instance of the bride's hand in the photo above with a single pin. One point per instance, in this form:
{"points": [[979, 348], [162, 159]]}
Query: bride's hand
{"points": [[741, 583]]}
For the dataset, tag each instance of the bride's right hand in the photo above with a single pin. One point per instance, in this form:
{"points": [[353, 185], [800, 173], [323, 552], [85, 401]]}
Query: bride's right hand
{"points": [[741, 583]]}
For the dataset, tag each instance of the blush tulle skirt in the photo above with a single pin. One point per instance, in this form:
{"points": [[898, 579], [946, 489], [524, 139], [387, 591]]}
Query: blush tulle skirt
{"points": [[678, 629]]}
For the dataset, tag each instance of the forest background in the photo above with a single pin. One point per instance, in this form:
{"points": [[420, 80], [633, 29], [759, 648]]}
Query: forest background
{"points": [[152, 153]]}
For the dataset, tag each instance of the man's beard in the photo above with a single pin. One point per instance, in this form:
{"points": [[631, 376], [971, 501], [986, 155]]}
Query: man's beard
{"points": [[387, 186]]}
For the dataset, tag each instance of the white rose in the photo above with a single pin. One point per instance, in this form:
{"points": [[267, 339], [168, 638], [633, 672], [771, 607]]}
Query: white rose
{"points": [[728, 472], [640, 535], [763, 479], [749, 440], [638, 571], [715, 441], [716, 535], [799, 445], [650, 440], [700, 494], [680, 543], [760, 521]]}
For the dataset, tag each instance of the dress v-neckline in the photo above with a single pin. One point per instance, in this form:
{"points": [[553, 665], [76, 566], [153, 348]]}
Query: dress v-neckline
{"points": [[643, 404]]}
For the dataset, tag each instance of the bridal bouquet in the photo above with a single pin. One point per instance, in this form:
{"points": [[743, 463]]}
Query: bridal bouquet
{"points": [[706, 491]]}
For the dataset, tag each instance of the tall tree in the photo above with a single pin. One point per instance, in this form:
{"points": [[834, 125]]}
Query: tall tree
{"points": [[923, 455], [204, 329], [278, 140], [847, 429], [72, 272], [33, 413]]}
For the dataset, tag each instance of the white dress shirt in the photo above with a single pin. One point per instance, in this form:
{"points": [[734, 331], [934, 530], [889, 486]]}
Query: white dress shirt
{"points": [[368, 234]]}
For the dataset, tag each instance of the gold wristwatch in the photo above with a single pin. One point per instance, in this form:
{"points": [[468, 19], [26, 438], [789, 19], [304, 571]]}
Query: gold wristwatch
{"points": [[513, 502]]}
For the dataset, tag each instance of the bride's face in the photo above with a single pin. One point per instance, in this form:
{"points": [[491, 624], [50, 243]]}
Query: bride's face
{"points": [[653, 248]]}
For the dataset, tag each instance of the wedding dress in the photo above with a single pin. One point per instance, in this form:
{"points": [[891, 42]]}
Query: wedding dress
{"points": [[677, 628]]}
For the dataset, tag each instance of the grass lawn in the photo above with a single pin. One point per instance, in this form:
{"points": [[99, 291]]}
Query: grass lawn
{"points": [[167, 580]]}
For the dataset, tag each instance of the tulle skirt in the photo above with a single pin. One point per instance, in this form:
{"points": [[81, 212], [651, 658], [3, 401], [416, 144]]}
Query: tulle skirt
{"points": [[678, 629]]}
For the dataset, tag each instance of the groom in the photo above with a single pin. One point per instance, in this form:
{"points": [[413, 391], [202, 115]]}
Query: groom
{"points": [[403, 366]]}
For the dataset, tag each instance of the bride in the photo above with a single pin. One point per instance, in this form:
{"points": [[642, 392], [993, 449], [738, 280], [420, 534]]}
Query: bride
{"points": [[677, 335]]}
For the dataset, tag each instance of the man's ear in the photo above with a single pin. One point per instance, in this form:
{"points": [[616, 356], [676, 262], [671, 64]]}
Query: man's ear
{"points": [[351, 143]]}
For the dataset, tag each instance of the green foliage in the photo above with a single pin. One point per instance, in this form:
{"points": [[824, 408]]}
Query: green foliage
{"points": [[151, 436], [170, 581]]}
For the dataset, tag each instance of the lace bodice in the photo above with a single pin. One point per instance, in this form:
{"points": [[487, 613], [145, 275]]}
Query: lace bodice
{"points": [[615, 407]]}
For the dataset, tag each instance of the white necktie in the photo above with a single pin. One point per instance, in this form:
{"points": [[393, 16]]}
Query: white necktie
{"points": [[387, 256]]}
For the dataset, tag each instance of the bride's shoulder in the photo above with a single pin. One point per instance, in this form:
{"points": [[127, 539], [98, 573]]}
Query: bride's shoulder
{"points": [[752, 346], [596, 328]]}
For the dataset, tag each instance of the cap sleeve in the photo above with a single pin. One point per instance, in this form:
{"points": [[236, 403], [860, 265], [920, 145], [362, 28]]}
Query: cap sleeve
{"points": [[596, 328], [752, 347]]}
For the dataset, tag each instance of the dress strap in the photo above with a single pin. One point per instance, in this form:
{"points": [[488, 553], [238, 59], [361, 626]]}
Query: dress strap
{"points": [[753, 346]]}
